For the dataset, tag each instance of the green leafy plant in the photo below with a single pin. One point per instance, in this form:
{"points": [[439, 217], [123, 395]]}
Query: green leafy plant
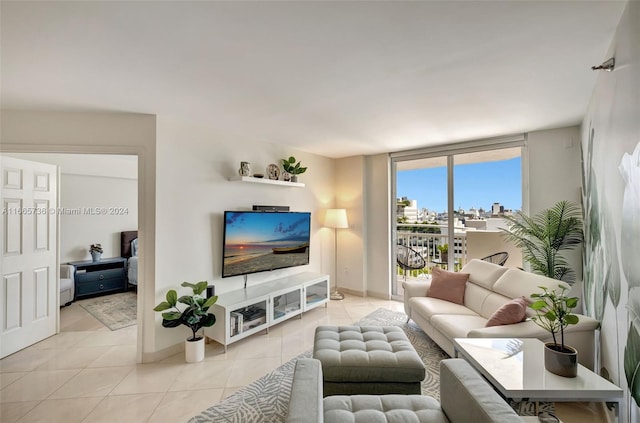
{"points": [[553, 313], [290, 166], [195, 316], [542, 238], [444, 248], [96, 248]]}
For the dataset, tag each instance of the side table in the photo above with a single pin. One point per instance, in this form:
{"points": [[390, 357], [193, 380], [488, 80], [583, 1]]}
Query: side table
{"points": [[515, 367], [100, 277]]}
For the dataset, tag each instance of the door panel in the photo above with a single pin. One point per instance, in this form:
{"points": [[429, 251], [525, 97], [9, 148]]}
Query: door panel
{"points": [[29, 294]]}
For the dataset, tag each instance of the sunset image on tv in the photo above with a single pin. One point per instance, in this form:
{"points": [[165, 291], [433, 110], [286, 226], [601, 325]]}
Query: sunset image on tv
{"points": [[260, 241]]}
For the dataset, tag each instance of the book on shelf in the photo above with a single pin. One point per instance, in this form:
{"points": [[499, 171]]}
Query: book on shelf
{"points": [[236, 322]]}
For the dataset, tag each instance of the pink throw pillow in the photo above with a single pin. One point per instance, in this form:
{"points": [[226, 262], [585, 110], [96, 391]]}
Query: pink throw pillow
{"points": [[448, 286], [514, 311]]}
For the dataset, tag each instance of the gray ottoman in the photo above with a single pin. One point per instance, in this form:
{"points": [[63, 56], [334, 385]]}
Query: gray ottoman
{"points": [[367, 360]]}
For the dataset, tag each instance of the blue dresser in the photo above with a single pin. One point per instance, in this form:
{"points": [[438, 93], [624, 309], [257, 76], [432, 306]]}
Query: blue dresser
{"points": [[100, 277]]}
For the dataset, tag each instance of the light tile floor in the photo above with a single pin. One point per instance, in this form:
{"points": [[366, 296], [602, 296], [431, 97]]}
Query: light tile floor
{"points": [[88, 374]]}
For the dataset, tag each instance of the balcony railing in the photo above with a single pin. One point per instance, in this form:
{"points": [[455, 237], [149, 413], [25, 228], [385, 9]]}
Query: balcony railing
{"points": [[425, 239]]}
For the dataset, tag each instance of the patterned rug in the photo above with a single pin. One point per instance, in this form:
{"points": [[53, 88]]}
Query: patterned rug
{"points": [[115, 311], [266, 400]]}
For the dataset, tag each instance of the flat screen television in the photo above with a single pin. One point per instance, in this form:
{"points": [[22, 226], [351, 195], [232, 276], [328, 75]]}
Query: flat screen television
{"points": [[258, 241]]}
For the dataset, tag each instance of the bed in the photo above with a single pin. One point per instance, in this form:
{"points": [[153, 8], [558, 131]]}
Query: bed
{"points": [[129, 250]]}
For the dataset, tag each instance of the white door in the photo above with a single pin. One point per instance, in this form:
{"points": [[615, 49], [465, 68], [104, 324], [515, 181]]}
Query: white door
{"points": [[29, 294]]}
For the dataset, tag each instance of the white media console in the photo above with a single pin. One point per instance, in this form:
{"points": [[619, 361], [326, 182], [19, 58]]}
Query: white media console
{"points": [[243, 312]]}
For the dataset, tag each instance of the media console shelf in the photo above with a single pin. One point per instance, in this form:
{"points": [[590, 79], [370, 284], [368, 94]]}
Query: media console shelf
{"points": [[243, 312], [267, 181]]}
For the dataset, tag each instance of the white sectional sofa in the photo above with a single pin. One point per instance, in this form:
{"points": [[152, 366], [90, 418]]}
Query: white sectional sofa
{"points": [[488, 288]]}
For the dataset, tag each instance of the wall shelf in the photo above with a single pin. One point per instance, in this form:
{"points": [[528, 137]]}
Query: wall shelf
{"points": [[251, 179]]}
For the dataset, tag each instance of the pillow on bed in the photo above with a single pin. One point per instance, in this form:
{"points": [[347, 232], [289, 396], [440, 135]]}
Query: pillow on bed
{"points": [[134, 248]]}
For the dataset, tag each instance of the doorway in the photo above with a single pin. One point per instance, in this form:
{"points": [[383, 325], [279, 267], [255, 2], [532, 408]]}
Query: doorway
{"points": [[98, 199]]}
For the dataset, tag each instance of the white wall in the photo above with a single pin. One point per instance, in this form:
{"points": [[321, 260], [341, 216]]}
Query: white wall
{"points": [[193, 170], [77, 231], [555, 175], [378, 225], [611, 144], [350, 194], [554, 167]]}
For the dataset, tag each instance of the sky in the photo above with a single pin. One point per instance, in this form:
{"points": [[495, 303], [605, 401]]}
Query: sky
{"points": [[256, 227], [475, 185]]}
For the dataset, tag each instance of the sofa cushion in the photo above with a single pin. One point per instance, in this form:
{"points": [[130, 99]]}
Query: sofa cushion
{"points": [[475, 298], [384, 408], [428, 307], [448, 286], [457, 326], [512, 312], [483, 273], [518, 283]]}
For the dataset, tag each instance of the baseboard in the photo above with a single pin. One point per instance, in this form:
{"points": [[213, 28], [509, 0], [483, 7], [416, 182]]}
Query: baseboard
{"points": [[379, 295], [162, 354], [352, 292]]}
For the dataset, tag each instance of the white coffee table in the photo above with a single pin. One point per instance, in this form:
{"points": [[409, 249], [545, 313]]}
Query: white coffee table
{"points": [[515, 368]]}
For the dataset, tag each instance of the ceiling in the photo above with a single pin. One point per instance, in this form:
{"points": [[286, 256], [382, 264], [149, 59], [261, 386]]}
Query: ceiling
{"points": [[335, 78]]}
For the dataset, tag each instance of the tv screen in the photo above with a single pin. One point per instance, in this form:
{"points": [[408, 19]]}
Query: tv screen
{"points": [[256, 241]]}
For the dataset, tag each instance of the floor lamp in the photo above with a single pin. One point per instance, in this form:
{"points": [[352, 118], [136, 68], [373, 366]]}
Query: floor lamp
{"points": [[336, 219]]}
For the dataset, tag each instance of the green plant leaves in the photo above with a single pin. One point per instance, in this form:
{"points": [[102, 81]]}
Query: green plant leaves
{"points": [[541, 238], [195, 315], [172, 315], [632, 363], [210, 301], [162, 306], [290, 166], [172, 297], [197, 288]]}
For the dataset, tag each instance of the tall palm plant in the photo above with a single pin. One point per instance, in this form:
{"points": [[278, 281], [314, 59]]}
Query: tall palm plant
{"points": [[541, 238]]}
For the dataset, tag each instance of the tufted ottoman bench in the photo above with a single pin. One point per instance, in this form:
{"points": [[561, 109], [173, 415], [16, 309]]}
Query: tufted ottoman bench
{"points": [[367, 360]]}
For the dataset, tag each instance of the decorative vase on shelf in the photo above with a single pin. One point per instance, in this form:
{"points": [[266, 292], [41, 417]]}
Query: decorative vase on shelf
{"points": [[245, 169], [95, 256], [294, 178], [286, 176]]}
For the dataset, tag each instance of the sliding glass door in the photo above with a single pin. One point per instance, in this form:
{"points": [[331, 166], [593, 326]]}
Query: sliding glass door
{"points": [[442, 196]]}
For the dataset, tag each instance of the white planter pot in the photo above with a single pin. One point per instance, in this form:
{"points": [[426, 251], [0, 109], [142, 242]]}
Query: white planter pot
{"points": [[194, 350]]}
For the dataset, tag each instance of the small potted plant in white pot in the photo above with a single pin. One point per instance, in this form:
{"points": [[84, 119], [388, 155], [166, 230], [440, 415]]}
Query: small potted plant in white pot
{"points": [[553, 313], [195, 316], [96, 251], [294, 169]]}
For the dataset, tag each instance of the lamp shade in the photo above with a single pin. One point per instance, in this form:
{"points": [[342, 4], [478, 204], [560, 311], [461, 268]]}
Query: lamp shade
{"points": [[336, 218]]}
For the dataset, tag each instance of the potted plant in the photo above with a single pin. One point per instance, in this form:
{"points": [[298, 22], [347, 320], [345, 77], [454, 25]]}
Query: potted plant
{"points": [[290, 166], [444, 252], [553, 313], [543, 236], [195, 316], [96, 251]]}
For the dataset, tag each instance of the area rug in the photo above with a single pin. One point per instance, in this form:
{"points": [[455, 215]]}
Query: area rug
{"points": [[115, 311], [266, 400]]}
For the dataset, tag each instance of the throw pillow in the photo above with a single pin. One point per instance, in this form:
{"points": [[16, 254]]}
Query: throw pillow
{"points": [[448, 286], [514, 311]]}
